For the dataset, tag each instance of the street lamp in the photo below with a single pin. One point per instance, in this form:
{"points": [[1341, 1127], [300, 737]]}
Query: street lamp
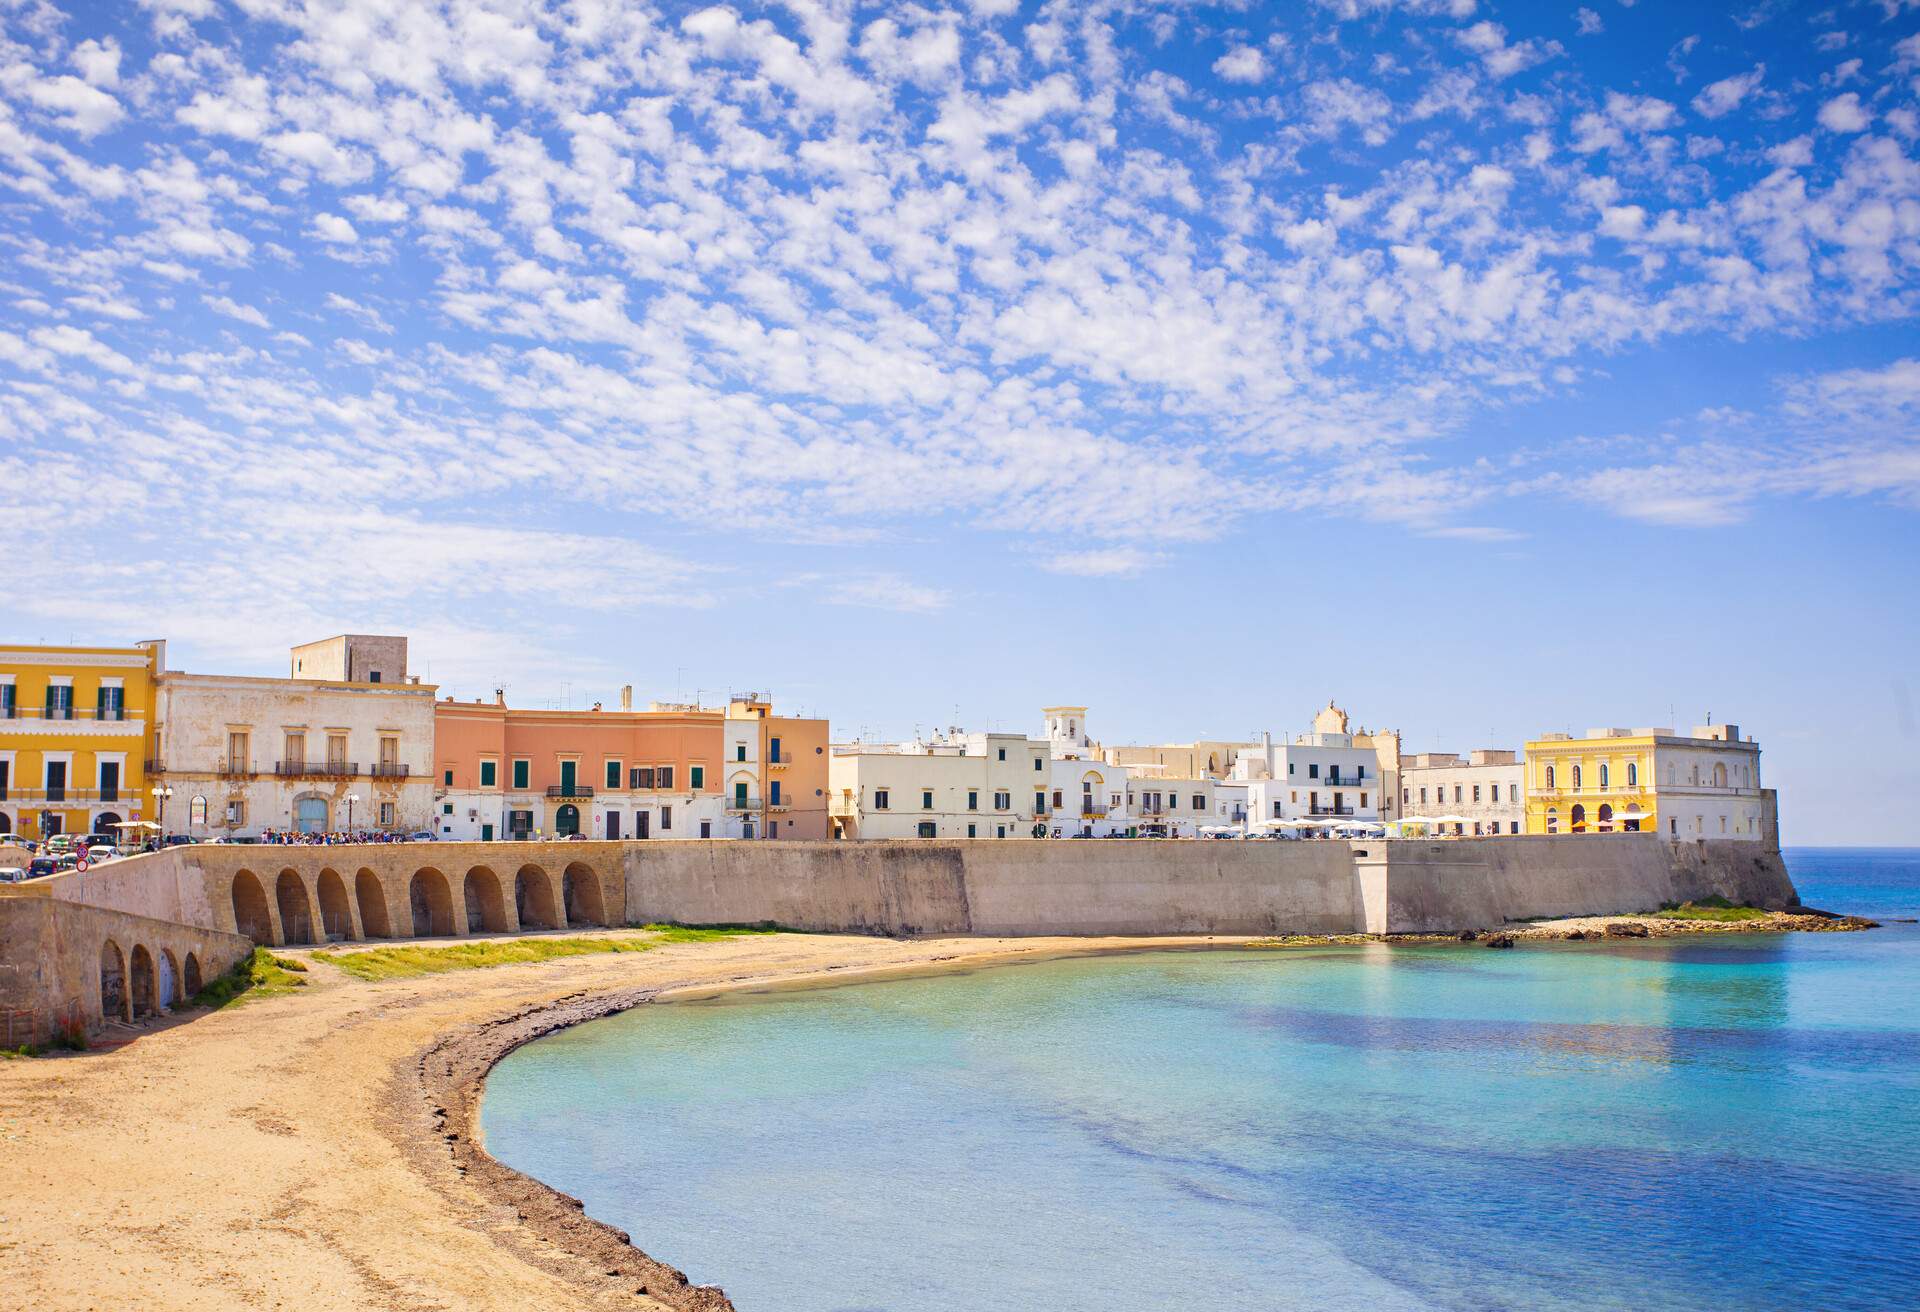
{"points": [[351, 799], [161, 792]]}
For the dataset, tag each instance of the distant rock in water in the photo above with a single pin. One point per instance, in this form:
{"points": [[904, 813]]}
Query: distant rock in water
{"points": [[1498, 941], [1617, 929]]}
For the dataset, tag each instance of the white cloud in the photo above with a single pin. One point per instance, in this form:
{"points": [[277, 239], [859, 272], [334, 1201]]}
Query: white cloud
{"points": [[1723, 97], [1104, 562], [232, 309], [1845, 113], [1587, 22], [1242, 64], [76, 106], [333, 229]]}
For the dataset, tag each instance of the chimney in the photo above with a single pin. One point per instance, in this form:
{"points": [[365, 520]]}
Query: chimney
{"points": [[596, 706], [499, 696], [626, 697]]}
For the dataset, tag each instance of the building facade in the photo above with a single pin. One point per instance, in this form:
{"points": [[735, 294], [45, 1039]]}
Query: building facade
{"points": [[952, 785], [670, 771], [1321, 775], [1088, 794], [1486, 789], [1703, 785], [76, 733], [243, 755]]}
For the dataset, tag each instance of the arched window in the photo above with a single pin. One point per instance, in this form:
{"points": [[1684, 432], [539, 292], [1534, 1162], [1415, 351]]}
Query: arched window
{"points": [[1719, 775], [197, 811], [1633, 774], [1549, 784], [1576, 778], [1553, 819], [1603, 774]]}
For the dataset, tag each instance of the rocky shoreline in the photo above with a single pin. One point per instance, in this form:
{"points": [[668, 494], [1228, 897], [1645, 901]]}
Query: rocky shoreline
{"points": [[1575, 929]]}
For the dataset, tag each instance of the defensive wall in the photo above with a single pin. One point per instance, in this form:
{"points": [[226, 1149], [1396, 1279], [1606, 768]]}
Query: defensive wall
{"points": [[228, 895]]}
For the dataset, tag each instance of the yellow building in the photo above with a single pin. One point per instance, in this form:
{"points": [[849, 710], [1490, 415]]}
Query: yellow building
{"points": [[76, 736], [1703, 785]]}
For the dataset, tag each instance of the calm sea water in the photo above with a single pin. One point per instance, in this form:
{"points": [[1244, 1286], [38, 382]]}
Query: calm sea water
{"points": [[1729, 1123]]}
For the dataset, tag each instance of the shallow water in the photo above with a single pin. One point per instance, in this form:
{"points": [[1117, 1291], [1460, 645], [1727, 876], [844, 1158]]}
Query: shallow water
{"points": [[1704, 1123]]}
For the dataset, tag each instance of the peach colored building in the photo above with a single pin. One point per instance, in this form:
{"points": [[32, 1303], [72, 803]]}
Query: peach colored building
{"points": [[671, 771]]}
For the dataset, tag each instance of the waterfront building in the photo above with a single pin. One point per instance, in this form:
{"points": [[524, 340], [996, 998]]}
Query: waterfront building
{"points": [[1320, 775], [1207, 758], [312, 753], [76, 733], [1088, 794], [1486, 789], [674, 770], [948, 785], [1703, 785], [1165, 805]]}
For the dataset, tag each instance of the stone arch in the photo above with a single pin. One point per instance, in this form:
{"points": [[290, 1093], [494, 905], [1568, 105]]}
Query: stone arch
{"points": [[566, 820], [1719, 774], [1605, 816], [296, 911], [580, 890], [113, 982], [190, 981], [486, 908], [432, 904], [372, 897], [533, 899], [6, 823], [169, 991], [250, 914], [140, 982], [106, 822], [336, 912], [1577, 819]]}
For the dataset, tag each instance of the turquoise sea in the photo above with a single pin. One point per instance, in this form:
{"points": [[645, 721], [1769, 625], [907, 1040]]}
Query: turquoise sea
{"points": [[1713, 1123]]}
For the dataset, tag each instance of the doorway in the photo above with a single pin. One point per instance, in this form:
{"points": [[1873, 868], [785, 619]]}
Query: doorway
{"points": [[613, 825], [642, 823], [310, 815], [566, 821]]}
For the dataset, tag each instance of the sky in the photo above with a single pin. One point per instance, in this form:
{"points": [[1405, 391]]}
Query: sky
{"points": [[1488, 369]]}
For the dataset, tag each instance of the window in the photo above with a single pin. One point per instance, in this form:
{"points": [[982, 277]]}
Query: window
{"points": [[1200, 803], [1476, 792], [999, 831], [1037, 764], [973, 831], [1423, 797], [236, 813], [1057, 802], [1553, 821], [1576, 778], [663, 777], [1406, 795], [1549, 776], [1039, 803], [1603, 774], [1002, 802], [6, 701], [613, 774], [1513, 826], [739, 751], [110, 704], [1313, 770], [489, 773], [296, 753], [879, 799], [337, 751], [386, 813], [696, 777], [706, 829], [1456, 792], [446, 777], [927, 829], [773, 750], [773, 794], [1633, 774], [60, 701], [973, 801], [1003, 753], [446, 808], [197, 811], [1276, 809], [666, 818], [926, 799], [641, 776]]}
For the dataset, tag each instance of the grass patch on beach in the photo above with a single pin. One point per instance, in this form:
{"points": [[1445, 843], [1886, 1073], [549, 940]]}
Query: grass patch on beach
{"points": [[1715, 908], [408, 962], [708, 933], [261, 975]]}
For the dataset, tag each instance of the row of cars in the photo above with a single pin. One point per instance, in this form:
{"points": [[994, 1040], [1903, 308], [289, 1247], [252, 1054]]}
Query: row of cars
{"points": [[61, 852]]}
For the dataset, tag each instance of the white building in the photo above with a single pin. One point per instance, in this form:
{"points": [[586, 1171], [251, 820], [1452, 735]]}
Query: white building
{"points": [[244, 755], [1171, 806], [951, 785], [1485, 789], [1088, 795], [1318, 776]]}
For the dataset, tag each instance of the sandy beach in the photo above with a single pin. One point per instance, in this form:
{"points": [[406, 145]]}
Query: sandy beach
{"points": [[287, 1152]]}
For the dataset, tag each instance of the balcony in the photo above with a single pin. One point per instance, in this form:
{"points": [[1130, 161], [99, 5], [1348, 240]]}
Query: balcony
{"points": [[62, 796], [235, 769], [391, 770], [781, 761], [1344, 781], [116, 715], [1092, 808], [316, 769], [1318, 811], [738, 803], [570, 790]]}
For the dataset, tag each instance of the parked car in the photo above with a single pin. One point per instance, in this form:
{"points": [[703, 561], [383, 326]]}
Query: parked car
{"points": [[421, 836], [12, 875], [42, 865]]}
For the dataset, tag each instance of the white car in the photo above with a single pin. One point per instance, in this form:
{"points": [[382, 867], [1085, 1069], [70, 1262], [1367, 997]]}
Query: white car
{"points": [[421, 836], [12, 875]]}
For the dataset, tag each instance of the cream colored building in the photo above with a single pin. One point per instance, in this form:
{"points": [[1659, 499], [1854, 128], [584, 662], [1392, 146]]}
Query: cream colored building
{"points": [[1212, 759], [243, 755], [1703, 785], [1088, 794], [952, 785], [1486, 789], [1172, 805]]}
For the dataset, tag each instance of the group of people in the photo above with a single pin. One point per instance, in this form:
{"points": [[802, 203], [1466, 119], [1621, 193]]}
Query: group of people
{"points": [[328, 838]]}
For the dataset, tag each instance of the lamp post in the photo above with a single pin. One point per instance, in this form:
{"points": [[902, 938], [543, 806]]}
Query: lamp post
{"points": [[351, 799], [161, 792]]}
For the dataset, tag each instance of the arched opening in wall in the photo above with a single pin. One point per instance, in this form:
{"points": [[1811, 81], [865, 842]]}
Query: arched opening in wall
{"points": [[336, 913], [113, 982], [105, 823], [310, 814], [169, 980], [1553, 821], [6, 823], [1605, 776], [566, 820], [140, 981], [1577, 819], [432, 904], [296, 916], [1633, 774], [1576, 778], [373, 905], [1630, 819], [581, 889], [1549, 778], [190, 980], [1605, 817], [250, 915], [1719, 776], [533, 899], [486, 908]]}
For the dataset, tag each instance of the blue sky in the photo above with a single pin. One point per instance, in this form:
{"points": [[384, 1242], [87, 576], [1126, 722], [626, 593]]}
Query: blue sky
{"points": [[1490, 368]]}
